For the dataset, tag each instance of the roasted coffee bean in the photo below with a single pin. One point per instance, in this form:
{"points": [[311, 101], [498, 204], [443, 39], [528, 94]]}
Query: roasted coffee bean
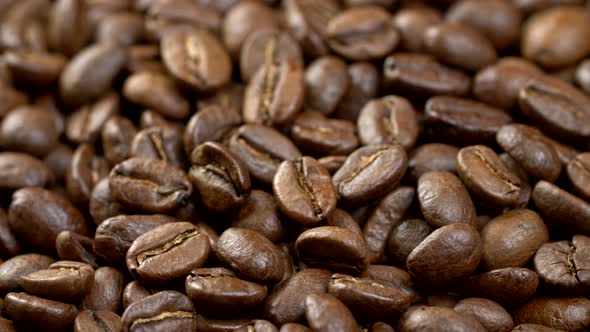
{"points": [[37, 216], [578, 171], [86, 123], [332, 163], [10, 98], [582, 75], [334, 248], [134, 292], [102, 203], [432, 157], [427, 265], [527, 146], [80, 82], [258, 325], [63, 280], [122, 28], [287, 301], [212, 123], [85, 170], [388, 120], [275, 93], [384, 219], [208, 324], [260, 213], [423, 318], [421, 74], [324, 312], [196, 59], [36, 313], [362, 33], [221, 178], [68, 28], [262, 149], [533, 328], [393, 277], [304, 192], [29, 129], [294, 327], [106, 291], [19, 170], [511, 239], [159, 142], [166, 16], [411, 22], [326, 83], [507, 286], [75, 247], [315, 134], [117, 135], [12, 270], [150, 185], [406, 236], [218, 289], [530, 6], [556, 106], [343, 219], [562, 265], [144, 58], [542, 42], [28, 68], [562, 208], [161, 311], [251, 255], [97, 321], [568, 314], [9, 246], [7, 325], [488, 313], [363, 86], [369, 172], [167, 252], [486, 176], [444, 200]]}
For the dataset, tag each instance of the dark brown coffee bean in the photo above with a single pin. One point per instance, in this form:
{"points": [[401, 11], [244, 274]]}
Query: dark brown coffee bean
{"points": [[508, 286], [86, 169], [221, 178], [63, 280], [10, 98], [69, 28], [102, 203], [22, 28], [122, 28], [411, 22], [304, 192], [498, 20], [511, 239], [332, 163], [423, 318], [578, 171], [393, 277], [324, 312], [167, 252], [72, 246], [117, 135], [115, 235], [86, 123], [218, 289], [12, 270], [326, 83], [287, 302], [243, 20], [582, 75], [486, 176], [542, 39], [209, 324], [230, 98], [432, 157], [369, 172], [531, 6], [459, 45], [308, 22], [7, 325], [421, 74], [36, 313], [37, 216], [294, 327], [27, 68], [143, 58], [488, 313], [464, 120], [562, 208], [29, 129], [384, 219], [157, 92], [562, 265], [251, 255], [343, 219], [362, 33], [275, 93], [404, 237], [565, 153], [19, 170], [569, 314], [161, 311], [9, 246], [212, 123], [262, 149], [556, 106], [80, 82], [363, 85], [267, 46], [260, 213], [134, 292], [196, 58], [97, 321], [388, 120], [106, 291], [318, 135], [427, 263], [165, 16], [533, 328], [527, 146], [159, 142], [341, 249], [150, 185], [444, 200]]}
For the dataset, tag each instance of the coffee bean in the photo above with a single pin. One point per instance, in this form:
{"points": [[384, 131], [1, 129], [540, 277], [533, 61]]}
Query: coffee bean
{"points": [[507, 286], [564, 313], [102, 203], [196, 59], [488, 313], [106, 290], [28, 68], [406, 236], [85, 170], [63, 280], [68, 26], [393, 277], [533, 328], [425, 262], [294, 327], [432, 157], [167, 252], [166, 16], [326, 83], [315, 134], [9, 246], [86, 123], [37, 313], [304, 192], [150, 185], [97, 321], [341, 249], [7, 325], [117, 135], [19, 170], [423, 318], [411, 22], [12, 270], [260, 213], [142, 58], [159, 142], [583, 75], [10, 98], [163, 310], [578, 171], [363, 84], [324, 312], [122, 28], [530, 6], [72, 246], [557, 205], [29, 129], [134, 292], [209, 324], [212, 123], [332, 163]]}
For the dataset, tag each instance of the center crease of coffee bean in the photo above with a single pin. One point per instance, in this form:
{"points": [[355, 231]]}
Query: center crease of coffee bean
{"points": [[571, 106], [271, 66], [308, 188], [365, 162], [162, 316], [513, 186], [259, 153], [192, 50], [158, 144], [571, 263], [178, 239], [219, 171]]}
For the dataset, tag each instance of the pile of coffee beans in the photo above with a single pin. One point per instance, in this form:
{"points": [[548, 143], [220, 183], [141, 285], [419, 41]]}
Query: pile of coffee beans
{"points": [[295, 165]]}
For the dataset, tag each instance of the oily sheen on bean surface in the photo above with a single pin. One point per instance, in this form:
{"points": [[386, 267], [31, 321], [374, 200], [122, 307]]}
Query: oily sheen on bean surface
{"points": [[294, 165]]}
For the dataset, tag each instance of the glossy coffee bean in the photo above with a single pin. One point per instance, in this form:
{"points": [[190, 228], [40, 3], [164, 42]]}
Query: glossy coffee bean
{"points": [[19, 170], [507, 286], [38, 313], [9, 245], [578, 172], [324, 312], [163, 310], [28, 68], [326, 83], [557, 205], [68, 26], [166, 16], [122, 28], [64, 280], [561, 313], [432, 157], [86, 123], [102, 204], [423, 318], [13, 269], [317, 135], [260, 213], [406, 236], [29, 129], [363, 86], [491, 315], [85, 170], [106, 291], [167, 252], [159, 142], [411, 22], [211, 123], [97, 321], [72, 246]]}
